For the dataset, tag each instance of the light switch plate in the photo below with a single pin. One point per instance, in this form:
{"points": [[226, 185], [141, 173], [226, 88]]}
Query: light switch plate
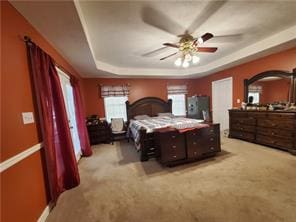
{"points": [[28, 117], [238, 101]]}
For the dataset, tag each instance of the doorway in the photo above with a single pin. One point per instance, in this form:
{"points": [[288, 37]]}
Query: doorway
{"points": [[222, 101], [70, 108]]}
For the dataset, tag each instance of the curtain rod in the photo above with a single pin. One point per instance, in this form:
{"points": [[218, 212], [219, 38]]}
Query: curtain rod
{"points": [[27, 39]]}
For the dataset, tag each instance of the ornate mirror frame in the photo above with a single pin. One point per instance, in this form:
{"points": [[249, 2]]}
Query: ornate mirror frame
{"points": [[273, 73]]}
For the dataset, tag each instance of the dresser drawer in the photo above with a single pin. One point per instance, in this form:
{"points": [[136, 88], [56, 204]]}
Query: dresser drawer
{"points": [[238, 114], [242, 127], [196, 146], [209, 131], [281, 115], [172, 153], [275, 132], [210, 148], [257, 114], [272, 141], [171, 146], [279, 124], [242, 135], [244, 120]]}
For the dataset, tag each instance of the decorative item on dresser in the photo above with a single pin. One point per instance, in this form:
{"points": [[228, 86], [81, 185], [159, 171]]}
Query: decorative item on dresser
{"points": [[272, 128], [98, 131]]}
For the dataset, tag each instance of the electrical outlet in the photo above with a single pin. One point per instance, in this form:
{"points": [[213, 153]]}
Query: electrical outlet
{"points": [[28, 117], [238, 101]]}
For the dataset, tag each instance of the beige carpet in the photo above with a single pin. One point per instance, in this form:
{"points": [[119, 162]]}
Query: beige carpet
{"points": [[246, 182]]}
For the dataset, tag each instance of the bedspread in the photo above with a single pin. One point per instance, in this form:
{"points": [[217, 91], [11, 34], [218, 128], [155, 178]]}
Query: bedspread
{"points": [[153, 123]]}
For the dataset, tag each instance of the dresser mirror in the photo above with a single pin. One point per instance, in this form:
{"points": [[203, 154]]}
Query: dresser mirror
{"points": [[271, 87]]}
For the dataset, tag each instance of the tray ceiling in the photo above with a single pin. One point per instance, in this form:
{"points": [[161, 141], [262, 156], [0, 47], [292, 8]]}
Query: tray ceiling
{"points": [[114, 38]]}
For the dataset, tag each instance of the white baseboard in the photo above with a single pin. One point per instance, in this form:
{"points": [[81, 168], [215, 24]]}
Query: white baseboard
{"points": [[44, 214], [17, 158]]}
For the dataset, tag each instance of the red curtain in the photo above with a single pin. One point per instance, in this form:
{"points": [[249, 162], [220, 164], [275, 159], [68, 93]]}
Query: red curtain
{"points": [[80, 119], [59, 152]]}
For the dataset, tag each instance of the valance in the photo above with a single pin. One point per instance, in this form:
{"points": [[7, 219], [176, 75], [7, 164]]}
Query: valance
{"points": [[121, 90], [255, 89], [177, 89]]}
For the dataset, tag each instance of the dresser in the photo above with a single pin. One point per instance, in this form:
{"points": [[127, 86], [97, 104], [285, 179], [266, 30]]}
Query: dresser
{"points": [[99, 132], [203, 141], [175, 147], [272, 128]]}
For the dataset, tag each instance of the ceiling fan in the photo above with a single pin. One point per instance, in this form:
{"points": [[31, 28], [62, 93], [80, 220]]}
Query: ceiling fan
{"points": [[189, 46]]}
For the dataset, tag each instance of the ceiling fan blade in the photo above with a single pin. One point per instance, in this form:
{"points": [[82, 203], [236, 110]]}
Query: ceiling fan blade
{"points": [[207, 49], [155, 52], [168, 56], [171, 45], [206, 13], [207, 36], [159, 20], [227, 38]]}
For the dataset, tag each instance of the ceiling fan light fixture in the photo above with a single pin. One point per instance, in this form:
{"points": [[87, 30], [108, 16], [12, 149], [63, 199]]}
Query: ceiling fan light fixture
{"points": [[185, 64], [178, 62], [188, 57], [195, 59]]}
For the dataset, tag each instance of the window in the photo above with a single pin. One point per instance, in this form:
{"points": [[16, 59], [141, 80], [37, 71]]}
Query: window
{"points": [[256, 97], [115, 107], [179, 104]]}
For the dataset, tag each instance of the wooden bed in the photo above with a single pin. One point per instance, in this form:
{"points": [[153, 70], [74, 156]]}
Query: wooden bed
{"points": [[150, 106], [150, 142]]}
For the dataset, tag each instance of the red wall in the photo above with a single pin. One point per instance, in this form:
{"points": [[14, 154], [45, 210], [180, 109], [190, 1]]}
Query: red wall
{"points": [[139, 88], [285, 60], [23, 191]]}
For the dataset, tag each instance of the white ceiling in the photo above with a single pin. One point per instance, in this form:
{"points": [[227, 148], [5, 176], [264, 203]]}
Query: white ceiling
{"points": [[111, 38]]}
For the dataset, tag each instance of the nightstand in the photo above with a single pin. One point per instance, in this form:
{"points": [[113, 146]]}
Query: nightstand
{"points": [[99, 132]]}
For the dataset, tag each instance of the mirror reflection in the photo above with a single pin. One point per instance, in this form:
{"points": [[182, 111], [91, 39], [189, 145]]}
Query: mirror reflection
{"points": [[269, 90]]}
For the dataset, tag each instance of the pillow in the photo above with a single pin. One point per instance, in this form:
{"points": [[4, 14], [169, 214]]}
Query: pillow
{"points": [[166, 115], [141, 117]]}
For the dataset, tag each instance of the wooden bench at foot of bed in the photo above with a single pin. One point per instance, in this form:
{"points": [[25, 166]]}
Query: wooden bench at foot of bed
{"points": [[171, 147]]}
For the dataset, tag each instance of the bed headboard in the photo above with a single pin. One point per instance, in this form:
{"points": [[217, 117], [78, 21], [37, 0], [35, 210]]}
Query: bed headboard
{"points": [[150, 106]]}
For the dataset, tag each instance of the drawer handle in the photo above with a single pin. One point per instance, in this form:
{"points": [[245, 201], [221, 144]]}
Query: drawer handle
{"points": [[273, 124], [193, 134], [194, 143], [211, 130], [194, 153], [212, 139], [173, 137], [175, 156], [272, 133], [212, 148], [241, 128], [174, 146]]}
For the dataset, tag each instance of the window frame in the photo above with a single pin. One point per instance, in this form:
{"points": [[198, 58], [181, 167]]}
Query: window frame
{"points": [[184, 114], [107, 110]]}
